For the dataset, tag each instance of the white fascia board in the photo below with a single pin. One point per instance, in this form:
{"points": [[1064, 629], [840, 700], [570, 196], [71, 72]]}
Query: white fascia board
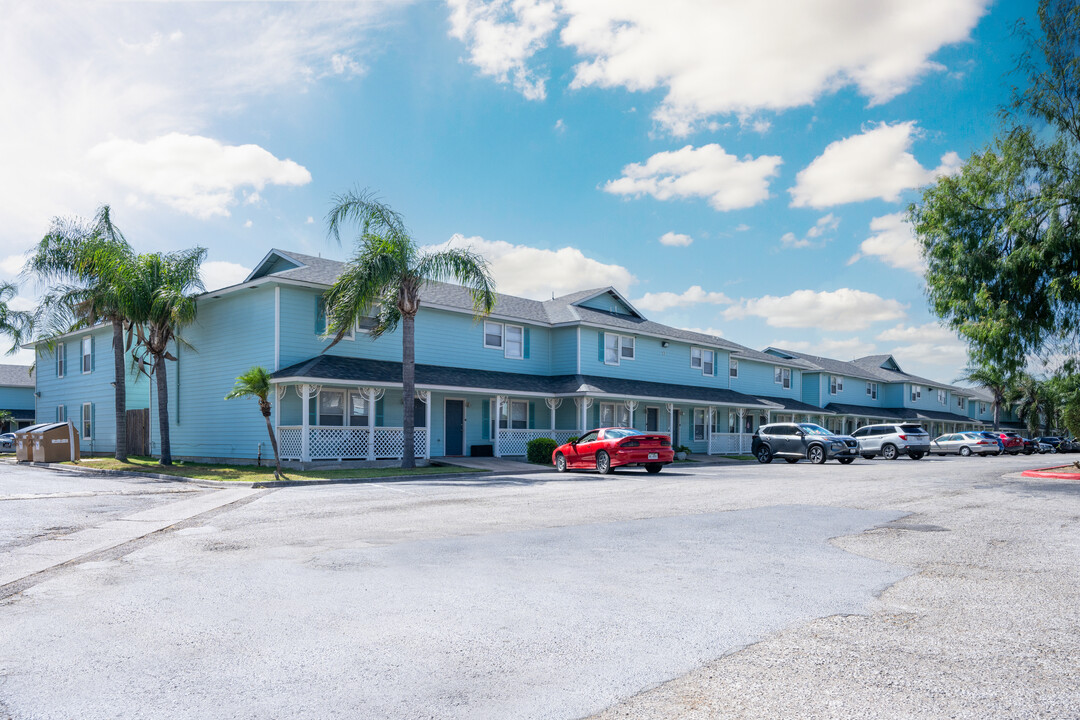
{"points": [[273, 251], [58, 338]]}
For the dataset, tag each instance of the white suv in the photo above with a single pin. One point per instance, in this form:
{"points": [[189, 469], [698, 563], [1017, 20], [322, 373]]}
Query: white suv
{"points": [[892, 440]]}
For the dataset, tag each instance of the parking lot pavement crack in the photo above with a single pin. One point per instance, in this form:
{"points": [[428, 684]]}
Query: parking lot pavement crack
{"points": [[28, 564]]}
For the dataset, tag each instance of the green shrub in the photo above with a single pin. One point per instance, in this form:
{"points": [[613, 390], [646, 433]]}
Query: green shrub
{"points": [[572, 439], [539, 450]]}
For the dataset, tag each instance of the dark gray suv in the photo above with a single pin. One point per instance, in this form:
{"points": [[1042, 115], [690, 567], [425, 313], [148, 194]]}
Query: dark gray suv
{"points": [[795, 441]]}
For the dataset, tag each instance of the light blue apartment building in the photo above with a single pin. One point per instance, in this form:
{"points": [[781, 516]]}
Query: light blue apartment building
{"points": [[484, 386], [17, 395]]}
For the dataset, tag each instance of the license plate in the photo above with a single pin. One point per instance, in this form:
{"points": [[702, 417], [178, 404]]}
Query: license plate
{"points": [[654, 456]]}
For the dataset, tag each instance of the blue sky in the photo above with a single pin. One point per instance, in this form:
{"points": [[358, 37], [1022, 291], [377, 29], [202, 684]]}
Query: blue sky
{"points": [[737, 168]]}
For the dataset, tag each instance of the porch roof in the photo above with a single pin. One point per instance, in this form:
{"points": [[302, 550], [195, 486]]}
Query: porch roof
{"points": [[361, 371], [796, 405], [939, 415], [864, 411]]}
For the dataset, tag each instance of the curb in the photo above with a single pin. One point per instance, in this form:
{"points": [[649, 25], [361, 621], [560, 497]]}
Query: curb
{"points": [[1049, 474], [256, 485]]}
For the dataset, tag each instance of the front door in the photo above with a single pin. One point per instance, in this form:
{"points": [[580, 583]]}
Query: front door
{"points": [[455, 427], [652, 417], [675, 428]]}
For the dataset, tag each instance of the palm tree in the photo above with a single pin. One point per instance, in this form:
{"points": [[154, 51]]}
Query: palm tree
{"points": [[1032, 401], [385, 275], [13, 323], [256, 383], [159, 298], [83, 263], [993, 379]]}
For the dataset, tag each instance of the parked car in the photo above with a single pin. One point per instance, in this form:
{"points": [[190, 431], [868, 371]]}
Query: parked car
{"points": [[795, 441], [1068, 445], [1011, 443], [608, 448], [1051, 440], [1044, 448], [964, 444], [7, 442], [890, 440], [996, 437]]}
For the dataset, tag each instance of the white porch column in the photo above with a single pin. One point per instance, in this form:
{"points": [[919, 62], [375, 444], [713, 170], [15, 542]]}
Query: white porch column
{"points": [[370, 399], [742, 428], [305, 441], [671, 422], [708, 429], [499, 400], [631, 405], [553, 404]]}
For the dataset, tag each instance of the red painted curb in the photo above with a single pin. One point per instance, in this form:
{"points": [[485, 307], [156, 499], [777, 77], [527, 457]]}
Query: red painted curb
{"points": [[1049, 473]]}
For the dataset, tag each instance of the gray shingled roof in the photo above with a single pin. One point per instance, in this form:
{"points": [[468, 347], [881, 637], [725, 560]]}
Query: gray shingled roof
{"points": [[832, 366], [864, 411], [872, 363], [360, 370], [866, 368], [548, 312], [16, 376]]}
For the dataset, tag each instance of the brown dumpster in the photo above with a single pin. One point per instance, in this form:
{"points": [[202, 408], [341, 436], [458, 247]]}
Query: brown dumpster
{"points": [[56, 442], [24, 443]]}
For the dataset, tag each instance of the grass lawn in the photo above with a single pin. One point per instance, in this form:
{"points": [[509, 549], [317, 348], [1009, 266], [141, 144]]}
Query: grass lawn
{"points": [[253, 473], [741, 457]]}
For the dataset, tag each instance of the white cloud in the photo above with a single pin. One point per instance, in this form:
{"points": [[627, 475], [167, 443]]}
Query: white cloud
{"points": [[560, 126], [712, 58], [217, 274], [874, 164], [706, 331], [845, 309], [247, 223], [537, 273], [12, 264], [742, 227], [195, 175], [83, 73], [673, 239], [694, 295], [846, 349], [816, 236], [310, 220], [929, 350], [705, 172], [893, 243], [502, 36]]}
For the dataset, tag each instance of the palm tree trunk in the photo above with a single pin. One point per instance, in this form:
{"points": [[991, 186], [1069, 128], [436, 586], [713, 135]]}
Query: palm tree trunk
{"points": [[163, 411], [120, 389], [997, 413], [408, 390], [273, 442]]}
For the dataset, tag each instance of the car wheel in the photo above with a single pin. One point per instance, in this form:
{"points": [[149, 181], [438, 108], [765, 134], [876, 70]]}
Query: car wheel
{"points": [[867, 457], [653, 468], [816, 454], [1015, 453], [1029, 452], [889, 452], [603, 463], [792, 460], [846, 461], [763, 455], [965, 451], [915, 455], [560, 462]]}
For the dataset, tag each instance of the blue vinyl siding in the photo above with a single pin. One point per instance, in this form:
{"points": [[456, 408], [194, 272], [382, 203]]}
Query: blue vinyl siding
{"points": [[16, 398], [652, 361], [758, 378], [854, 392], [929, 399], [563, 351], [811, 389], [607, 303]]}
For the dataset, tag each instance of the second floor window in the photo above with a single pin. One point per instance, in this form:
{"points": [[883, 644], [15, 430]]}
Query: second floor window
{"points": [[836, 384], [782, 377], [941, 397], [733, 368], [611, 349], [493, 335], [511, 339], [515, 343], [60, 357], [960, 402], [916, 393], [87, 354], [982, 408], [871, 390], [704, 360]]}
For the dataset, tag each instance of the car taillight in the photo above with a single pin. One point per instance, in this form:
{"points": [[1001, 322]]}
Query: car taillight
{"points": [[982, 442], [630, 443], [903, 437], [665, 443]]}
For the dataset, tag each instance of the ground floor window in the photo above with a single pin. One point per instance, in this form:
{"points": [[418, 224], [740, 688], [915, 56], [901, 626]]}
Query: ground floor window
{"points": [[358, 409], [61, 413], [513, 415], [87, 420], [331, 408], [699, 423], [614, 415]]}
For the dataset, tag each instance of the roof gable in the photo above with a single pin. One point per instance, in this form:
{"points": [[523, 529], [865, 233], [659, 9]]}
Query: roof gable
{"points": [[608, 300], [275, 261]]}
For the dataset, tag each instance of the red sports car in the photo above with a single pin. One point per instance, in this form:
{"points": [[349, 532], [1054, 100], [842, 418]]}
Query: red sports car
{"points": [[608, 448]]}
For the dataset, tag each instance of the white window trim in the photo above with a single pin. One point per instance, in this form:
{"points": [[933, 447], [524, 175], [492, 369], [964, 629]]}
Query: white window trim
{"points": [[618, 348], [61, 413], [357, 330], [506, 344], [83, 354], [61, 357], [617, 409], [633, 347], [704, 424], [509, 415], [344, 407], [701, 365], [779, 375], [87, 419], [701, 359], [502, 335], [733, 364], [943, 397]]}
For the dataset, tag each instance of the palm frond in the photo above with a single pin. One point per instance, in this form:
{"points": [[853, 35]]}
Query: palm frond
{"points": [[465, 267], [367, 212]]}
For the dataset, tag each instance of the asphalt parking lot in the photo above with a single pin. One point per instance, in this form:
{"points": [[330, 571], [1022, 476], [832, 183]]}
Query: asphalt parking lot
{"points": [[945, 587]]}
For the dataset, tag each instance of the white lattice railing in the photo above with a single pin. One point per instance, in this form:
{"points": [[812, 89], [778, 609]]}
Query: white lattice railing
{"points": [[731, 443], [515, 442], [327, 442]]}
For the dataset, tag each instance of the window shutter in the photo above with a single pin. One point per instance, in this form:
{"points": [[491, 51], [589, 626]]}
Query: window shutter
{"points": [[92, 353], [526, 343], [532, 415], [600, 346], [715, 362], [93, 410], [313, 417], [379, 412], [485, 420], [320, 316], [59, 355]]}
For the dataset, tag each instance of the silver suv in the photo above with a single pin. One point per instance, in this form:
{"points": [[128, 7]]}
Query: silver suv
{"points": [[890, 441]]}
